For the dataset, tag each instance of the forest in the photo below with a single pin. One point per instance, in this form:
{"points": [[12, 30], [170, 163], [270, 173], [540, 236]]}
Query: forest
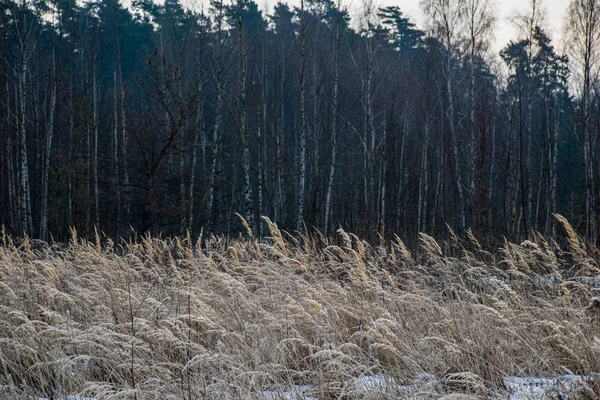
{"points": [[162, 119], [320, 200]]}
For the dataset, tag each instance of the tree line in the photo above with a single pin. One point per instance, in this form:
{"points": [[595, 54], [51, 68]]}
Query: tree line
{"points": [[162, 119]]}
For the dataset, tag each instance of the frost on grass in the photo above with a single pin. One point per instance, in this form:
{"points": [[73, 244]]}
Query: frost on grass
{"points": [[340, 318]]}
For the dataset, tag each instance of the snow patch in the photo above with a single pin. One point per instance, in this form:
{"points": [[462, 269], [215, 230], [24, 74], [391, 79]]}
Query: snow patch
{"points": [[531, 388], [517, 388], [299, 392], [69, 398]]}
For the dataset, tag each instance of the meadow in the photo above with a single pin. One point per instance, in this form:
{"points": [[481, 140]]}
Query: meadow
{"points": [[332, 318]]}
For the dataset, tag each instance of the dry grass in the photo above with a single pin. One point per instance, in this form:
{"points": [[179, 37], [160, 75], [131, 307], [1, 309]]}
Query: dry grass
{"points": [[162, 319]]}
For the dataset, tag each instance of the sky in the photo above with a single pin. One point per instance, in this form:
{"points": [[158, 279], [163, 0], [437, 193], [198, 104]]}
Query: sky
{"points": [[555, 12]]}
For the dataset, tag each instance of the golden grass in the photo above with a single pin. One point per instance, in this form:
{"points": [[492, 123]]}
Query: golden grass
{"points": [[168, 319]]}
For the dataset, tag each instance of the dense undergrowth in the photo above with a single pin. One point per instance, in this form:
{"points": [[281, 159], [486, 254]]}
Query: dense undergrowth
{"points": [[173, 319]]}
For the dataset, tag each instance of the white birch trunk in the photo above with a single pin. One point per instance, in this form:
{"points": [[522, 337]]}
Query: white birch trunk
{"points": [[279, 141], [71, 169], [183, 195], [48, 152], [249, 208], [399, 201], [95, 161], [553, 171], [10, 162], [116, 181], [217, 126], [458, 181], [529, 156], [422, 208], [199, 131], [336, 79], [262, 130], [491, 182], [383, 178], [125, 187], [302, 183], [26, 223], [439, 188], [472, 152]]}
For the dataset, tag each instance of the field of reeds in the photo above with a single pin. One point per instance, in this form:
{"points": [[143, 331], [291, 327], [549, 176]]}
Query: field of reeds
{"points": [[337, 318]]}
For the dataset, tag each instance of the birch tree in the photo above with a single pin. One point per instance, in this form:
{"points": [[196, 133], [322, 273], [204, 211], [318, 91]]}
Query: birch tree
{"points": [[302, 176], [48, 141], [218, 8], [480, 22], [335, 105], [526, 24], [25, 35], [199, 126], [242, 121], [446, 18], [583, 40]]}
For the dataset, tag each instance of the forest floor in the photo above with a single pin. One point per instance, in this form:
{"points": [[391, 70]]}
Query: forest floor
{"points": [[331, 319]]}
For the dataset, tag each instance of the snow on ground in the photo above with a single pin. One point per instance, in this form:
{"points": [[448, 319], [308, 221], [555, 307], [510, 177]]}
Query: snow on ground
{"points": [[563, 387], [70, 398], [298, 392], [518, 388]]}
